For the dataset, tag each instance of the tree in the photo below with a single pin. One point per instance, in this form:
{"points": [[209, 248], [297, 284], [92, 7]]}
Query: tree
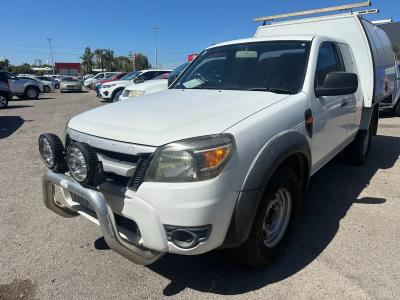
{"points": [[142, 62], [98, 53], [122, 63], [21, 69], [108, 58], [87, 60], [4, 64]]}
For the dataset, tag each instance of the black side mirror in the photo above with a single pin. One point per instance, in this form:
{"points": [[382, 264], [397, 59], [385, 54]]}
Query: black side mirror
{"points": [[138, 80], [338, 83]]}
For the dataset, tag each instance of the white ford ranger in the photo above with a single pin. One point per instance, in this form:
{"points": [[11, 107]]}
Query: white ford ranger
{"points": [[223, 158]]}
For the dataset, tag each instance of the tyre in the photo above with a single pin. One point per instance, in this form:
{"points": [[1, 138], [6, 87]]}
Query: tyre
{"points": [[116, 95], [31, 93], [396, 109], [282, 197], [57, 146], [3, 101], [357, 152], [46, 89]]}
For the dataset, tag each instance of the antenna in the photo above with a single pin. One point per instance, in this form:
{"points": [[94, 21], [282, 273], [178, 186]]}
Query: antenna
{"points": [[314, 11]]}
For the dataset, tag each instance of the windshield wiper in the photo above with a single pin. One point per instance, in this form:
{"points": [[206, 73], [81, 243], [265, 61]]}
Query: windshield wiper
{"points": [[273, 90]]}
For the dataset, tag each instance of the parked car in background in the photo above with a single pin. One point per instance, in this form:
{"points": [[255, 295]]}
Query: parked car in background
{"points": [[176, 72], [100, 76], [109, 78], [55, 82], [157, 84], [70, 84], [5, 92], [98, 84], [23, 88], [39, 82], [112, 90], [87, 76], [56, 77], [394, 103]]}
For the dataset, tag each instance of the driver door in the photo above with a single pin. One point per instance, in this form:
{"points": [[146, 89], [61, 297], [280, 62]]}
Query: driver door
{"points": [[330, 113]]}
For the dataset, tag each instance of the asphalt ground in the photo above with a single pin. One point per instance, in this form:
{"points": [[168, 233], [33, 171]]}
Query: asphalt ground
{"points": [[345, 244]]}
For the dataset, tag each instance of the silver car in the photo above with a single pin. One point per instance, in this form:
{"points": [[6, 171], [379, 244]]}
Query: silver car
{"points": [[23, 88], [70, 84]]}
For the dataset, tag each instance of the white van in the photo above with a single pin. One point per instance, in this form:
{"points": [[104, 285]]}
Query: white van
{"points": [[223, 157]]}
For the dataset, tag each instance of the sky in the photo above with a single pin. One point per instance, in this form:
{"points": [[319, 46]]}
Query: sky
{"points": [[126, 25]]}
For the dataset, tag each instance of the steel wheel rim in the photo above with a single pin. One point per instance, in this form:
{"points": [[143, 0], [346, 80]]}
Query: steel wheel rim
{"points": [[31, 93], [3, 101], [277, 217]]}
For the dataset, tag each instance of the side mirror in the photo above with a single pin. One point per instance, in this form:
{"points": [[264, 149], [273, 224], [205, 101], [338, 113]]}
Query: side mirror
{"points": [[138, 79], [338, 83]]}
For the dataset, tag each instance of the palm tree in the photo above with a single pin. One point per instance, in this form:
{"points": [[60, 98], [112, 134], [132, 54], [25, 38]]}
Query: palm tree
{"points": [[87, 60], [99, 54]]}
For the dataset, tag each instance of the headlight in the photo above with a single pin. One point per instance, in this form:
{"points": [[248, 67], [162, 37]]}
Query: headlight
{"points": [[106, 86], [84, 165], [193, 159], [51, 151], [136, 93]]}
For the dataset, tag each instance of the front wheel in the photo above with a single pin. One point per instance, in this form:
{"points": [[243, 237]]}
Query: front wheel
{"points": [[46, 89], [116, 95], [282, 197], [3, 101]]}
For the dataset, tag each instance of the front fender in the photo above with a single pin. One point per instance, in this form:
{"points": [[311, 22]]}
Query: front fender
{"points": [[271, 156]]}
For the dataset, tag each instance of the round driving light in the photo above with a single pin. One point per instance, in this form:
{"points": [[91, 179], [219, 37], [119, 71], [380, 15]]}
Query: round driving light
{"points": [[51, 151], [83, 164]]}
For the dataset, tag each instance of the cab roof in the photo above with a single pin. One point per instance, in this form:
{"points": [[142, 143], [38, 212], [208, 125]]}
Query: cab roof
{"points": [[265, 39]]}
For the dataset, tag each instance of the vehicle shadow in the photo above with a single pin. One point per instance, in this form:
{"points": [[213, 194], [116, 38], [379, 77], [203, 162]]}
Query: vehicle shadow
{"points": [[11, 106], [9, 124], [334, 189]]}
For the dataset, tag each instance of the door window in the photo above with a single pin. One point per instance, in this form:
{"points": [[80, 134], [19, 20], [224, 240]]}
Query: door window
{"points": [[328, 61]]}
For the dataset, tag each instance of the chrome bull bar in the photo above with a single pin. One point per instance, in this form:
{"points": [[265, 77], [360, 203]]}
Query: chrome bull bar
{"points": [[105, 216]]}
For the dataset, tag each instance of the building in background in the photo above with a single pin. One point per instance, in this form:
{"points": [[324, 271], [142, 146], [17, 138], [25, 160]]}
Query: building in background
{"points": [[67, 68]]}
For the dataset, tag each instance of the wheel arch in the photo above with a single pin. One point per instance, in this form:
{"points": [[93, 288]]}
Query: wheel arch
{"points": [[7, 94], [287, 149], [116, 91]]}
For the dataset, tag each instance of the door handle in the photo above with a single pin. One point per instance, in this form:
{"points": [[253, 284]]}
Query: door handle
{"points": [[344, 103]]}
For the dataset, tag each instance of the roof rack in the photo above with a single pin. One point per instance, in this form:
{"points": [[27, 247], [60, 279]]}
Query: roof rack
{"points": [[314, 11]]}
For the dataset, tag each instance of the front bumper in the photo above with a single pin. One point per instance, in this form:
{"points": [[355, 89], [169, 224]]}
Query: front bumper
{"points": [[105, 93], [104, 214]]}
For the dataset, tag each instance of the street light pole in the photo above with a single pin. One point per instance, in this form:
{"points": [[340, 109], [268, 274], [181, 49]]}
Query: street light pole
{"points": [[51, 52], [155, 45]]}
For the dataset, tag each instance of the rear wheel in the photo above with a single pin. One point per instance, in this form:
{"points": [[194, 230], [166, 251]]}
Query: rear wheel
{"points": [[46, 89], [396, 109], [31, 93], [3, 101], [282, 196], [357, 152]]}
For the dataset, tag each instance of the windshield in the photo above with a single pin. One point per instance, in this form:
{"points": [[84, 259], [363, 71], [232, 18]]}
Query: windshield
{"points": [[276, 66], [130, 76]]}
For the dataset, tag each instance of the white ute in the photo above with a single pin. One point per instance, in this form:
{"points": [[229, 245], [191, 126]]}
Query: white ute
{"points": [[223, 157]]}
